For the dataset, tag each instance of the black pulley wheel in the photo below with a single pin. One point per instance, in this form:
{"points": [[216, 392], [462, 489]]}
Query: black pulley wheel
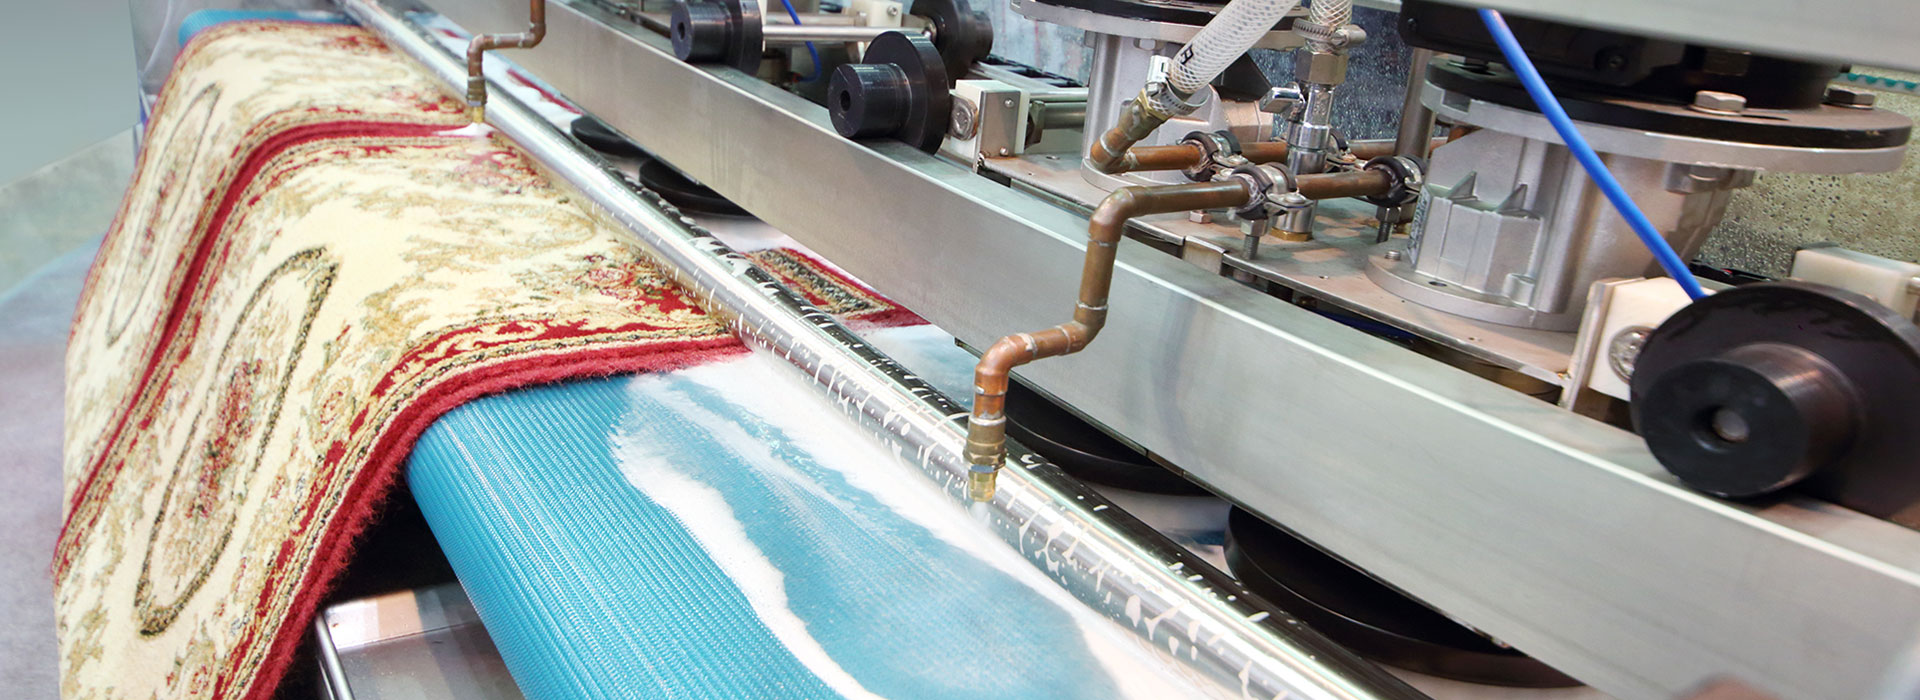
{"points": [[727, 31], [898, 90], [961, 34], [1082, 450], [1367, 616], [1758, 387], [598, 136], [653, 174], [682, 192]]}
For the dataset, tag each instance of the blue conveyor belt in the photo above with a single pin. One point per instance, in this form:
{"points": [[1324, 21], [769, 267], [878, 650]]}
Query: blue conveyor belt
{"points": [[722, 531], [202, 20]]}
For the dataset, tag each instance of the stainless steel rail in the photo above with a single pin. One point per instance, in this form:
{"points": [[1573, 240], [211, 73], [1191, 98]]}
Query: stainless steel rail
{"points": [[1555, 533], [789, 34], [1104, 557]]}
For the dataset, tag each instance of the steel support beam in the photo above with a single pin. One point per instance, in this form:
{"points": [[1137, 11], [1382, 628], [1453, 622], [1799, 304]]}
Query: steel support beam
{"points": [[1555, 533]]}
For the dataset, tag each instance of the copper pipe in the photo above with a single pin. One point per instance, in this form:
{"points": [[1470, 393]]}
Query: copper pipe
{"points": [[1179, 156], [1346, 183], [987, 427], [1264, 151], [1185, 155], [482, 43]]}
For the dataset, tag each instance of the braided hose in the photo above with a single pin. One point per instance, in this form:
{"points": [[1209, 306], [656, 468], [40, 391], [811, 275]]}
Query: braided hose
{"points": [[1224, 39], [1332, 14]]}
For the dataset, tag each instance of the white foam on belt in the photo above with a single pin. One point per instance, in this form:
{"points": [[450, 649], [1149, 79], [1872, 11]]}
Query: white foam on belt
{"points": [[772, 393], [708, 517]]}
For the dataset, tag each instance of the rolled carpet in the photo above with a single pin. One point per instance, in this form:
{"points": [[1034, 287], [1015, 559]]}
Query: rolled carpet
{"points": [[308, 269]]}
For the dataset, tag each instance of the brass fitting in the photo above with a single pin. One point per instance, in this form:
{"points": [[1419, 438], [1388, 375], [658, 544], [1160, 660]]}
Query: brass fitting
{"points": [[1136, 121], [482, 43]]}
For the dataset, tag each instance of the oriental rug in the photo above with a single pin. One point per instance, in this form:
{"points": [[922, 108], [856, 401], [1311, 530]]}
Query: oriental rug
{"points": [[306, 272]]}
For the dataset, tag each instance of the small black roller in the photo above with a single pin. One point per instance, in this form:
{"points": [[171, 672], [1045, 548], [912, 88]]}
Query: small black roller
{"points": [[961, 34], [727, 32], [898, 90], [1762, 386]]}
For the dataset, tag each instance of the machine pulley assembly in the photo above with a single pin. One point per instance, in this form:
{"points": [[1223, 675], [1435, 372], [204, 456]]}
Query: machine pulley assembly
{"points": [[900, 91], [718, 32], [960, 33], [735, 33], [1763, 386]]}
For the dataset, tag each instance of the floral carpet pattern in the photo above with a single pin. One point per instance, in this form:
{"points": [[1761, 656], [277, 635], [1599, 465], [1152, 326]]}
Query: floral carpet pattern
{"points": [[307, 271]]}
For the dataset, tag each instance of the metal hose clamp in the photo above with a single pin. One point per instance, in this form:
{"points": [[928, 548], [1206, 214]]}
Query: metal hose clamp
{"points": [[1270, 185], [1408, 177], [1219, 150]]}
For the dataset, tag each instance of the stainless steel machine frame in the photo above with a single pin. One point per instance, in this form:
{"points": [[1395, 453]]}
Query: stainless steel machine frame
{"points": [[1107, 559], [1868, 32], [1555, 533]]}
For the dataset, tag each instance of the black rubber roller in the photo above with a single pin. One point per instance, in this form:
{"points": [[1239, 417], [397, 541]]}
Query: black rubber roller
{"points": [[962, 34], [898, 90], [1763, 386], [718, 32], [870, 100]]}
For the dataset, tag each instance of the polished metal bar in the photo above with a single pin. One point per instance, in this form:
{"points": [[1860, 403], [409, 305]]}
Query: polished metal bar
{"points": [[1558, 534], [811, 19], [1105, 558], [1413, 139], [1062, 113], [787, 34], [1415, 135]]}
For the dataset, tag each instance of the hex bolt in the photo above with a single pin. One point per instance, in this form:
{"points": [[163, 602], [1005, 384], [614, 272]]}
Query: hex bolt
{"points": [[1394, 255], [1716, 101], [1624, 349], [1843, 96], [1280, 99]]}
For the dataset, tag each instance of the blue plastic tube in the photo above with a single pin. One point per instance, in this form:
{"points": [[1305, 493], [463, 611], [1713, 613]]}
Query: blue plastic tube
{"points": [[1590, 161], [811, 53]]}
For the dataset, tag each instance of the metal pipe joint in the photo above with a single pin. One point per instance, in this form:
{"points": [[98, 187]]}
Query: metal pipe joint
{"points": [[482, 43], [1157, 103], [986, 448]]}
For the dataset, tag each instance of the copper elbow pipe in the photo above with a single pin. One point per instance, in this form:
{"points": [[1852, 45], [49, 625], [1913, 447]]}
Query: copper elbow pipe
{"points": [[1108, 153], [482, 43], [987, 426]]}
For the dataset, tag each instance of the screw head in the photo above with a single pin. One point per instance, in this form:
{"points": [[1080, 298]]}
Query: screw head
{"points": [[1624, 349], [1394, 255], [964, 120], [1843, 96], [1716, 101]]}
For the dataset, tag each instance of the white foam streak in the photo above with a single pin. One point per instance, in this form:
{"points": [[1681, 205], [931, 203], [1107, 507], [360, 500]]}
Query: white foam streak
{"points": [[772, 393], [471, 130], [706, 515]]}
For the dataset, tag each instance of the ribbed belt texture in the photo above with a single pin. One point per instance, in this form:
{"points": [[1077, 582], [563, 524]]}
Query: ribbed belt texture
{"points": [[723, 531]]}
